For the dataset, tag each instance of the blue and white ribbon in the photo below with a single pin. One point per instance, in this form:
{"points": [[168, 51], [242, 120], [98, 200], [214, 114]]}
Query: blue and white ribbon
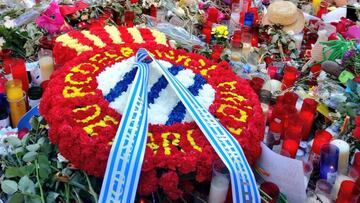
{"points": [[124, 166], [127, 152]]}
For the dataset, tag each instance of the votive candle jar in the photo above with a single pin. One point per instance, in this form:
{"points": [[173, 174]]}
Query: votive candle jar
{"points": [[16, 99], [329, 156]]}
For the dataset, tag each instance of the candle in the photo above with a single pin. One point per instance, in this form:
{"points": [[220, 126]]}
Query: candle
{"points": [[316, 5], [347, 192], [46, 63], [219, 183], [129, 17], [307, 114], [344, 150], [329, 156], [235, 14], [153, 11], [318, 142], [273, 138], [289, 78], [336, 187], [290, 146], [16, 99], [293, 128], [354, 171], [236, 46], [18, 71]]}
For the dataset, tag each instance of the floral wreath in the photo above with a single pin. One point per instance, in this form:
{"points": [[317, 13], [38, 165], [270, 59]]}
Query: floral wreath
{"points": [[83, 123], [73, 43]]}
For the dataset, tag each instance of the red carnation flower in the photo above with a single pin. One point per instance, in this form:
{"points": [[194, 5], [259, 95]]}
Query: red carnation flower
{"points": [[357, 120], [169, 182], [148, 183], [134, 1]]}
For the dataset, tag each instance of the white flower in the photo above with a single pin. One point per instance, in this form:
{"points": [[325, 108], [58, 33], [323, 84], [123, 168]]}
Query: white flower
{"points": [[61, 159], [9, 23], [2, 42]]}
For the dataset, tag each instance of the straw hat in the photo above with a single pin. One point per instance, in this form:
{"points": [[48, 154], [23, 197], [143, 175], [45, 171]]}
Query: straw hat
{"points": [[285, 13]]}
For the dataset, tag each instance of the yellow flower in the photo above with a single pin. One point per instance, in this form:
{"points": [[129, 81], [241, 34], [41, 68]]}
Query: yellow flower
{"points": [[220, 31]]}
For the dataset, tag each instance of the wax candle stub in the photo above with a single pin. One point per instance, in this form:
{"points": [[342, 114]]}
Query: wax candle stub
{"points": [[219, 183], [46, 63], [16, 99]]}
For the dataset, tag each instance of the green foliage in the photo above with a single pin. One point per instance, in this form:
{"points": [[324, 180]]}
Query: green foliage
{"points": [[34, 174]]}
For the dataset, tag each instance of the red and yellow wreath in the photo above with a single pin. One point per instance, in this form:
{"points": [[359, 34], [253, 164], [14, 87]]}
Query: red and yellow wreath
{"points": [[83, 103]]}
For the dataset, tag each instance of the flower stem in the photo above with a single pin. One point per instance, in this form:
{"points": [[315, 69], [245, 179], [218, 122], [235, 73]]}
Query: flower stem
{"points": [[91, 189], [38, 179]]}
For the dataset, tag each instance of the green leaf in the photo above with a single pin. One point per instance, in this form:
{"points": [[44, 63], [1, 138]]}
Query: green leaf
{"points": [[14, 141], [30, 156], [18, 150], [34, 122], [44, 166], [51, 197], [9, 186], [41, 140], [33, 147], [17, 198], [32, 199], [12, 172], [26, 185]]}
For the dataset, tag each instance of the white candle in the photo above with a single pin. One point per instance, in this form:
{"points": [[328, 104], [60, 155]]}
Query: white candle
{"points": [[46, 67], [344, 150], [219, 189], [335, 190]]}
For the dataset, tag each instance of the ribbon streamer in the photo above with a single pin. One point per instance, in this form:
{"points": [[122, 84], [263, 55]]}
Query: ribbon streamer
{"points": [[123, 169], [127, 152]]}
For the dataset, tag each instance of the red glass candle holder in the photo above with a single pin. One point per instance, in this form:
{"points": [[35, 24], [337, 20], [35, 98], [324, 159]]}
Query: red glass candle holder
{"points": [[347, 192], [153, 11], [307, 114], [318, 143], [290, 76], [294, 128], [18, 71], [271, 71], [129, 18], [290, 99], [257, 83], [290, 146], [356, 163], [236, 38]]}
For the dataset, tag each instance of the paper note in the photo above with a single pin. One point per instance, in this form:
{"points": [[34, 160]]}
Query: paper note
{"points": [[286, 173]]}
